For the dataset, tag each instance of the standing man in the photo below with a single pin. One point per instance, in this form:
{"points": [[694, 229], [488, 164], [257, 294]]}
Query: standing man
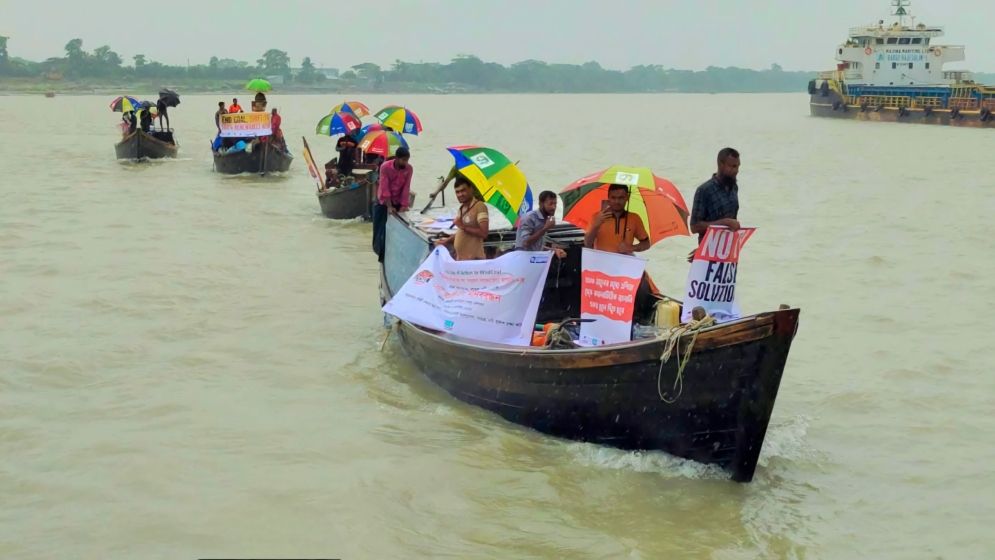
{"points": [[716, 201], [615, 229], [234, 107], [471, 223], [393, 196], [217, 115], [162, 108], [533, 227], [275, 121]]}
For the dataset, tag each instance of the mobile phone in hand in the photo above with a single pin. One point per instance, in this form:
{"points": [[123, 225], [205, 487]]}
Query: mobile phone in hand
{"points": [[604, 205]]}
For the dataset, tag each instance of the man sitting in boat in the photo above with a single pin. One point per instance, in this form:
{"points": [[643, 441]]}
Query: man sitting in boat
{"points": [[234, 107], [471, 223], [346, 148], [531, 234], [615, 229], [146, 120]]}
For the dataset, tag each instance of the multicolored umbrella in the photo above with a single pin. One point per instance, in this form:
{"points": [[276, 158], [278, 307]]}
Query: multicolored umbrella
{"points": [[382, 143], [399, 119], [497, 179], [656, 200], [338, 123], [354, 107], [124, 104], [258, 85], [368, 129]]}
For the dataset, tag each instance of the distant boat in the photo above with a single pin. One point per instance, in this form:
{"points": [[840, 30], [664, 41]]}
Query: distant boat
{"points": [[895, 73], [140, 145], [49, 94]]}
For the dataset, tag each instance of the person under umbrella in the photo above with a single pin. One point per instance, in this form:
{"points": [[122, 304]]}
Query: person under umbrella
{"points": [[167, 98]]}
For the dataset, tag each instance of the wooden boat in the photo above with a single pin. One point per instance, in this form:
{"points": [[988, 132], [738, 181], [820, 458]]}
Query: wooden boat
{"points": [[347, 203], [609, 395], [49, 94], [263, 159], [147, 145]]}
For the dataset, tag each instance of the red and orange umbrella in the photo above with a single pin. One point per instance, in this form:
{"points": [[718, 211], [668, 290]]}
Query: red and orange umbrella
{"points": [[654, 199], [382, 143]]}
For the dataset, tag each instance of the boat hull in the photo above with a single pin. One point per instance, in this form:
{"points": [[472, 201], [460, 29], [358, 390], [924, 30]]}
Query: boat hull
{"points": [[263, 159], [835, 107], [141, 145], [612, 396], [347, 204]]}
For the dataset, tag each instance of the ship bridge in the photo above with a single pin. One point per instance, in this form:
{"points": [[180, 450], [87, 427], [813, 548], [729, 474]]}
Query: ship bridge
{"points": [[901, 54]]}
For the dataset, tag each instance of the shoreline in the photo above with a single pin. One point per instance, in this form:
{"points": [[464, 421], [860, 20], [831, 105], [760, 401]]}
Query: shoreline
{"points": [[20, 86]]}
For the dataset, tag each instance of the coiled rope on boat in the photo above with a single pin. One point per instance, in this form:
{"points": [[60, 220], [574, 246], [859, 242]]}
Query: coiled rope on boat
{"points": [[673, 346]]}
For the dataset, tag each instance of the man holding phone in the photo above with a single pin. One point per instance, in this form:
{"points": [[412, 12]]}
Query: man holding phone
{"points": [[615, 229], [534, 225]]}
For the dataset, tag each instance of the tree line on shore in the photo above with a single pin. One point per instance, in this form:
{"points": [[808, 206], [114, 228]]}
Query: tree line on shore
{"points": [[462, 73]]}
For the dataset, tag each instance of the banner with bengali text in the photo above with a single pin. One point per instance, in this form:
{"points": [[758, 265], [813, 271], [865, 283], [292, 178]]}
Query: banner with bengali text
{"points": [[608, 296]]}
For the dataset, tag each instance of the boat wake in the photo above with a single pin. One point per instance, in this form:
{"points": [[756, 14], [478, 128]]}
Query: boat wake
{"points": [[785, 442], [644, 462]]}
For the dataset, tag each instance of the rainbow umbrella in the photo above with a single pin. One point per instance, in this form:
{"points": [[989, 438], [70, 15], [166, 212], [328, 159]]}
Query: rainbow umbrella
{"points": [[124, 104], [368, 129], [656, 200], [338, 123], [354, 107], [382, 143], [399, 119], [497, 179]]}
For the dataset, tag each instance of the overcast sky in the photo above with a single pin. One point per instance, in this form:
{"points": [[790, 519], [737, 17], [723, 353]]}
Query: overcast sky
{"points": [[687, 34]]}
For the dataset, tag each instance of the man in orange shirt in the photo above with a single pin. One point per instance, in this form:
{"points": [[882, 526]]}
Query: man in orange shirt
{"points": [[615, 229], [234, 107]]}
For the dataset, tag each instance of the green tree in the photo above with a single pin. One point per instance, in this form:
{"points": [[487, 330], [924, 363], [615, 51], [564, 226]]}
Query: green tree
{"points": [[275, 62], [348, 75], [308, 74], [75, 52], [4, 57], [367, 71]]}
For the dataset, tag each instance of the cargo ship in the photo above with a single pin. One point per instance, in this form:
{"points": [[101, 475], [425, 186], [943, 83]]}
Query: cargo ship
{"points": [[894, 73]]}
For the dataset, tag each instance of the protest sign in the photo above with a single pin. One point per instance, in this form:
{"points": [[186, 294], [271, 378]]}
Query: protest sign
{"points": [[245, 125], [608, 296], [711, 281], [491, 300]]}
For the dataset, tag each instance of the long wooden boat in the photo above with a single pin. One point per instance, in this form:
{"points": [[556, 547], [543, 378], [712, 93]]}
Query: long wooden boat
{"points": [[609, 395], [143, 145], [344, 203], [263, 159], [347, 203]]}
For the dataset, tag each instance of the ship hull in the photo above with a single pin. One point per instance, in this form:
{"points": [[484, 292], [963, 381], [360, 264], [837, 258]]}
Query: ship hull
{"points": [[837, 109]]}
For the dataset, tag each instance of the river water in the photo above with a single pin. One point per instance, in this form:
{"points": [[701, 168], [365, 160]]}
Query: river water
{"points": [[191, 364]]}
